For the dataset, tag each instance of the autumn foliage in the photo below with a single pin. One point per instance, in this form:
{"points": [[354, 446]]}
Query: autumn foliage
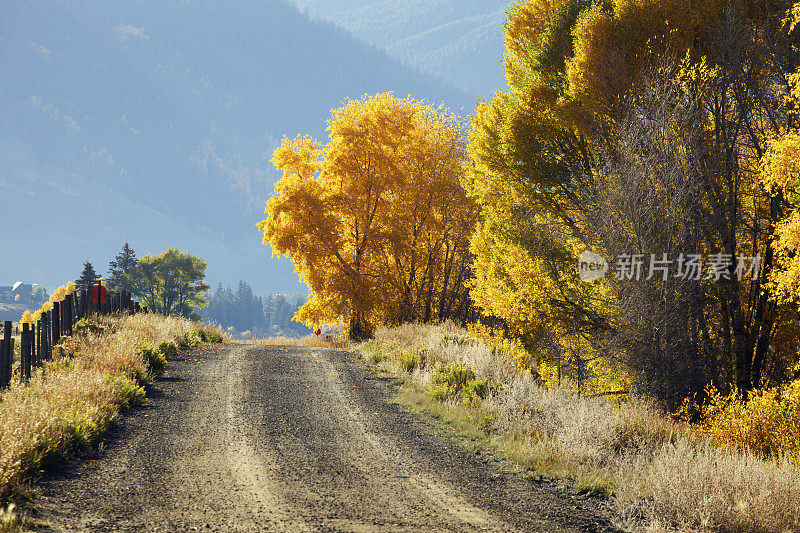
{"points": [[661, 128], [643, 127], [376, 221]]}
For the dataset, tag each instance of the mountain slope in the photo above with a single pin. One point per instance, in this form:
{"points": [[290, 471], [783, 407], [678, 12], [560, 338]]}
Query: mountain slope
{"points": [[459, 40], [174, 108]]}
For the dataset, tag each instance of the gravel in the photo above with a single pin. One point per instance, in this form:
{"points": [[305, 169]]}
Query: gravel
{"points": [[268, 438]]}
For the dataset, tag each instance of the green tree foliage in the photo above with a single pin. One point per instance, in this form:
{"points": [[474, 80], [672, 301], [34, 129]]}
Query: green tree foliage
{"points": [[120, 269], [87, 278], [171, 283]]}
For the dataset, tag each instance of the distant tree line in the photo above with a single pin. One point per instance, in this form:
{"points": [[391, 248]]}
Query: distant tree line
{"points": [[170, 283], [261, 316]]}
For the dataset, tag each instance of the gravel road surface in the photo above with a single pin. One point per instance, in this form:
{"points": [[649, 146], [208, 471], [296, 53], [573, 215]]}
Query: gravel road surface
{"points": [[267, 438]]}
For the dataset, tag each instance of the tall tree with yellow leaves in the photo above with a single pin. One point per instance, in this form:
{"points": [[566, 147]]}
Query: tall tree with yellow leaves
{"points": [[638, 127], [376, 222]]}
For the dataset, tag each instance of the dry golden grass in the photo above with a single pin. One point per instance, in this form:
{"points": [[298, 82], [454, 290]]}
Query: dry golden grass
{"points": [[71, 400], [8, 519], [663, 475], [311, 341]]}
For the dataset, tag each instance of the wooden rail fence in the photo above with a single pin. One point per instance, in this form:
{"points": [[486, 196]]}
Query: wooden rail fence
{"points": [[37, 340]]}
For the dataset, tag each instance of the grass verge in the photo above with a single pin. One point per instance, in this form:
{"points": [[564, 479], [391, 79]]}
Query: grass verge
{"points": [[72, 399], [310, 341], [660, 475]]}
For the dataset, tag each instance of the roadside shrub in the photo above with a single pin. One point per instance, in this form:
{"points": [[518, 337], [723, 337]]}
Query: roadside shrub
{"points": [[210, 334], [371, 353], [95, 325], [65, 348], [410, 360], [155, 359], [767, 423], [127, 392], [169, 349], [479, 389], [449, 379]]}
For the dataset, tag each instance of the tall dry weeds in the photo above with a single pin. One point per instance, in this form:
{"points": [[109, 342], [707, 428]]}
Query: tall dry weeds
{"points": [[663, 475], [71, 400]]}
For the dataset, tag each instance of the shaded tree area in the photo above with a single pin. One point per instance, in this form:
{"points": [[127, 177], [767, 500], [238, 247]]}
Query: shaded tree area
{"points": [[266, 316], [121, 269], [171, 283]]}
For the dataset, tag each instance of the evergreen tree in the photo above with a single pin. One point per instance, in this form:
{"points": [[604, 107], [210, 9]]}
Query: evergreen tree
{"points": [[262, 316], [88, 277], [120, 268]]}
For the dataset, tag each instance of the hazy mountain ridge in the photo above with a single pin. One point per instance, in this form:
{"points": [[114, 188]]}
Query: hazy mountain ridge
{"points": [[457, 39], [173, 107]]}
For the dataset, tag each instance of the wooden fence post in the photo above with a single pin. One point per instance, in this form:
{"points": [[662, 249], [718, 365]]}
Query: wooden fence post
{"points": [[25, 353], [46, 337], [99, 299], [56, 323], [3, 371], [6, 354], [68, 316], [37, 352]]}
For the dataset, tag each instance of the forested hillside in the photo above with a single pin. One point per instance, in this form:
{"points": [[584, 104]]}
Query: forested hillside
{"points": [[250, 315], [165, 113]]}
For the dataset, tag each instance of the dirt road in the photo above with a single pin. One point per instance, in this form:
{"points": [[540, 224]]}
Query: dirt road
{"points": [[260, 438]]}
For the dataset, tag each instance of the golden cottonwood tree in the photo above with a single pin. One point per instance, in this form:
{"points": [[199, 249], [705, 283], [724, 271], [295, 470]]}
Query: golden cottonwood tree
{"points": [[638, 127], [376, 222], [780, 166]]}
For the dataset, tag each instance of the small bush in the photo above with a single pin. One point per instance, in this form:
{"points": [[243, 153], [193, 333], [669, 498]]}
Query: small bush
{"points": [[65, 349], [94, 325], [169, 349], [440, 393], [210, 335], [767, 423], [457, 340], [407, 361], [127, 392], [479, 389], [156, 362], [450, 379]]}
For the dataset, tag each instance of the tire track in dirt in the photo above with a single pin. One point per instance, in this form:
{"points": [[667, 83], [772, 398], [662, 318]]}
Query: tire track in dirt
{"points": [[263, 438]]}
